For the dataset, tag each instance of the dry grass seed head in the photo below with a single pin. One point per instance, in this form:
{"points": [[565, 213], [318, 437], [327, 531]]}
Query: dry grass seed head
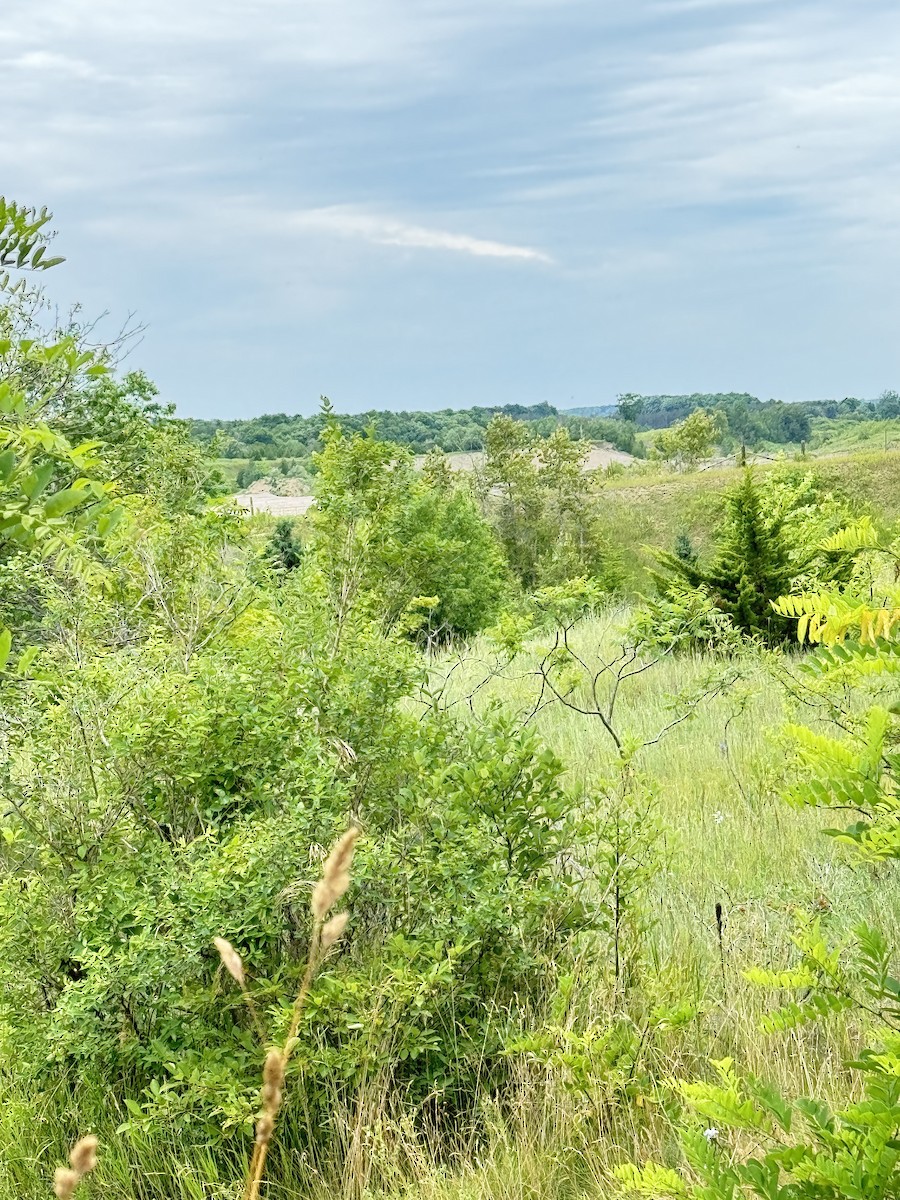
{"points": [[83, 1158], [273, 1081], [84, 1155], [265, 1127], [65, 1181], [335, 875], [231, 960], [333, 928]]}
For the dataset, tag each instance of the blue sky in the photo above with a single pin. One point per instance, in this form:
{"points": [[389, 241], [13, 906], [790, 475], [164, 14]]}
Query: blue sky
{"points": [[430, 203]]}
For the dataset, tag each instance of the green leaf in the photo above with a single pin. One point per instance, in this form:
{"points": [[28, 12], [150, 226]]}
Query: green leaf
{"points": [[64, 501], [26, 659], [38, 480]]}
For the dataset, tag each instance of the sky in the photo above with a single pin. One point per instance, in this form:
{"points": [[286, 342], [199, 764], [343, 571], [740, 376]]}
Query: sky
{"points": [[439, 203]]}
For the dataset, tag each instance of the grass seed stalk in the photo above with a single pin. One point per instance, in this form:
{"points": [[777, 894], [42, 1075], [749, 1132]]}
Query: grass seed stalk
{"points": [[325, 933]]}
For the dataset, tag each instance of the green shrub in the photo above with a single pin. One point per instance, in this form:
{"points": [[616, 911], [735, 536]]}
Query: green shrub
{"points": [[415, 546], [285, 549], [194, 803], [769, 543]]}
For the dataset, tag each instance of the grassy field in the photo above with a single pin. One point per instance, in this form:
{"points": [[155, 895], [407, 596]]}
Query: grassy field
{"points": [[845, 436], [729, 839], [725, 837]]}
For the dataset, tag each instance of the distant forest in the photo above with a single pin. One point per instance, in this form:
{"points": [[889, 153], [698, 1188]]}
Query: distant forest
{"points": [[742, 418], [452, 430]]}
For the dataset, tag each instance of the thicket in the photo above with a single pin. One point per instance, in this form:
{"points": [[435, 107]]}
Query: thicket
{"points": [[546, 510], [185, 725]]}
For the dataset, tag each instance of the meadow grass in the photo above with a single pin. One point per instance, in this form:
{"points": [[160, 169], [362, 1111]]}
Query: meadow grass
{"points": [[719, 777], [730, 839]]}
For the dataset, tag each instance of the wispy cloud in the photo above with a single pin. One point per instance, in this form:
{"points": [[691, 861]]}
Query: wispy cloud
{"points": [[56, 65], [384, 231], [712, 181]]}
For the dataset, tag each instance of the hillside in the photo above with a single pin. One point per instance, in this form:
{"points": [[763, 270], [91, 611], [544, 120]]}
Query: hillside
{"points": [[644, 510]]}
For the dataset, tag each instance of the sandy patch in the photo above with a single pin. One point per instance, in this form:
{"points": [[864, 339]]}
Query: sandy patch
{"points": [[279, 506]]}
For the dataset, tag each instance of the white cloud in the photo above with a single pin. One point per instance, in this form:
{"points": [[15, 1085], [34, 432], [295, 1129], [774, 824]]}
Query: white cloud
{"points": [[656, 153], [385, 231], [50, 63]]}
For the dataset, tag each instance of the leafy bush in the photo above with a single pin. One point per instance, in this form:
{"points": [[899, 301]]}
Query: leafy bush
{"points": [[414, 545], [690, 440], [684, 618], [193, 804], [806, 1150]]}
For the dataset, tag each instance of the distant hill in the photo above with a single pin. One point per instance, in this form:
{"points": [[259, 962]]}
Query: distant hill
{"points": [[591, 410], [743, 420]]}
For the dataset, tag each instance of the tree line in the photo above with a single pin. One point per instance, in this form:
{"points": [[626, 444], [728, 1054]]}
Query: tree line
{"points": [[741, 419]]}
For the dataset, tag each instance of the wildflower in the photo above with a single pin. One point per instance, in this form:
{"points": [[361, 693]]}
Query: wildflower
{"points": [[711, 1134], [718, 816]]}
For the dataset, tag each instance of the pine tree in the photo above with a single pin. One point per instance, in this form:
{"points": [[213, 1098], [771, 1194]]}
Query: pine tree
{"points": [[285, 549], [684, 549], [753, 565]]}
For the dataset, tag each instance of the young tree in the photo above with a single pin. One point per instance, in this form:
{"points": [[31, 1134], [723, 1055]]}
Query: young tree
{"points": [[543, 505], [416, 545], [690, 440], [755, 563]]}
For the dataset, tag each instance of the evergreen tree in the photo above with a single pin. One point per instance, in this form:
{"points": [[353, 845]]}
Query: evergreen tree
{"points": [[285, 549], [754, 564], [684, 549]]}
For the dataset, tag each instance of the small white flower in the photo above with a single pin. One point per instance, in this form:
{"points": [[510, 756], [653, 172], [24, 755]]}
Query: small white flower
{"points": [[711, 1135], [718, 817]]}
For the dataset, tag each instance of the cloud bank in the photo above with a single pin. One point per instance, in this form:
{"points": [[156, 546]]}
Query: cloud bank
{"points": [[452, 202]]}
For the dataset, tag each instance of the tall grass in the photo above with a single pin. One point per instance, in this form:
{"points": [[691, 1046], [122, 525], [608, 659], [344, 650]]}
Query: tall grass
{"points": [[731, 842]]}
